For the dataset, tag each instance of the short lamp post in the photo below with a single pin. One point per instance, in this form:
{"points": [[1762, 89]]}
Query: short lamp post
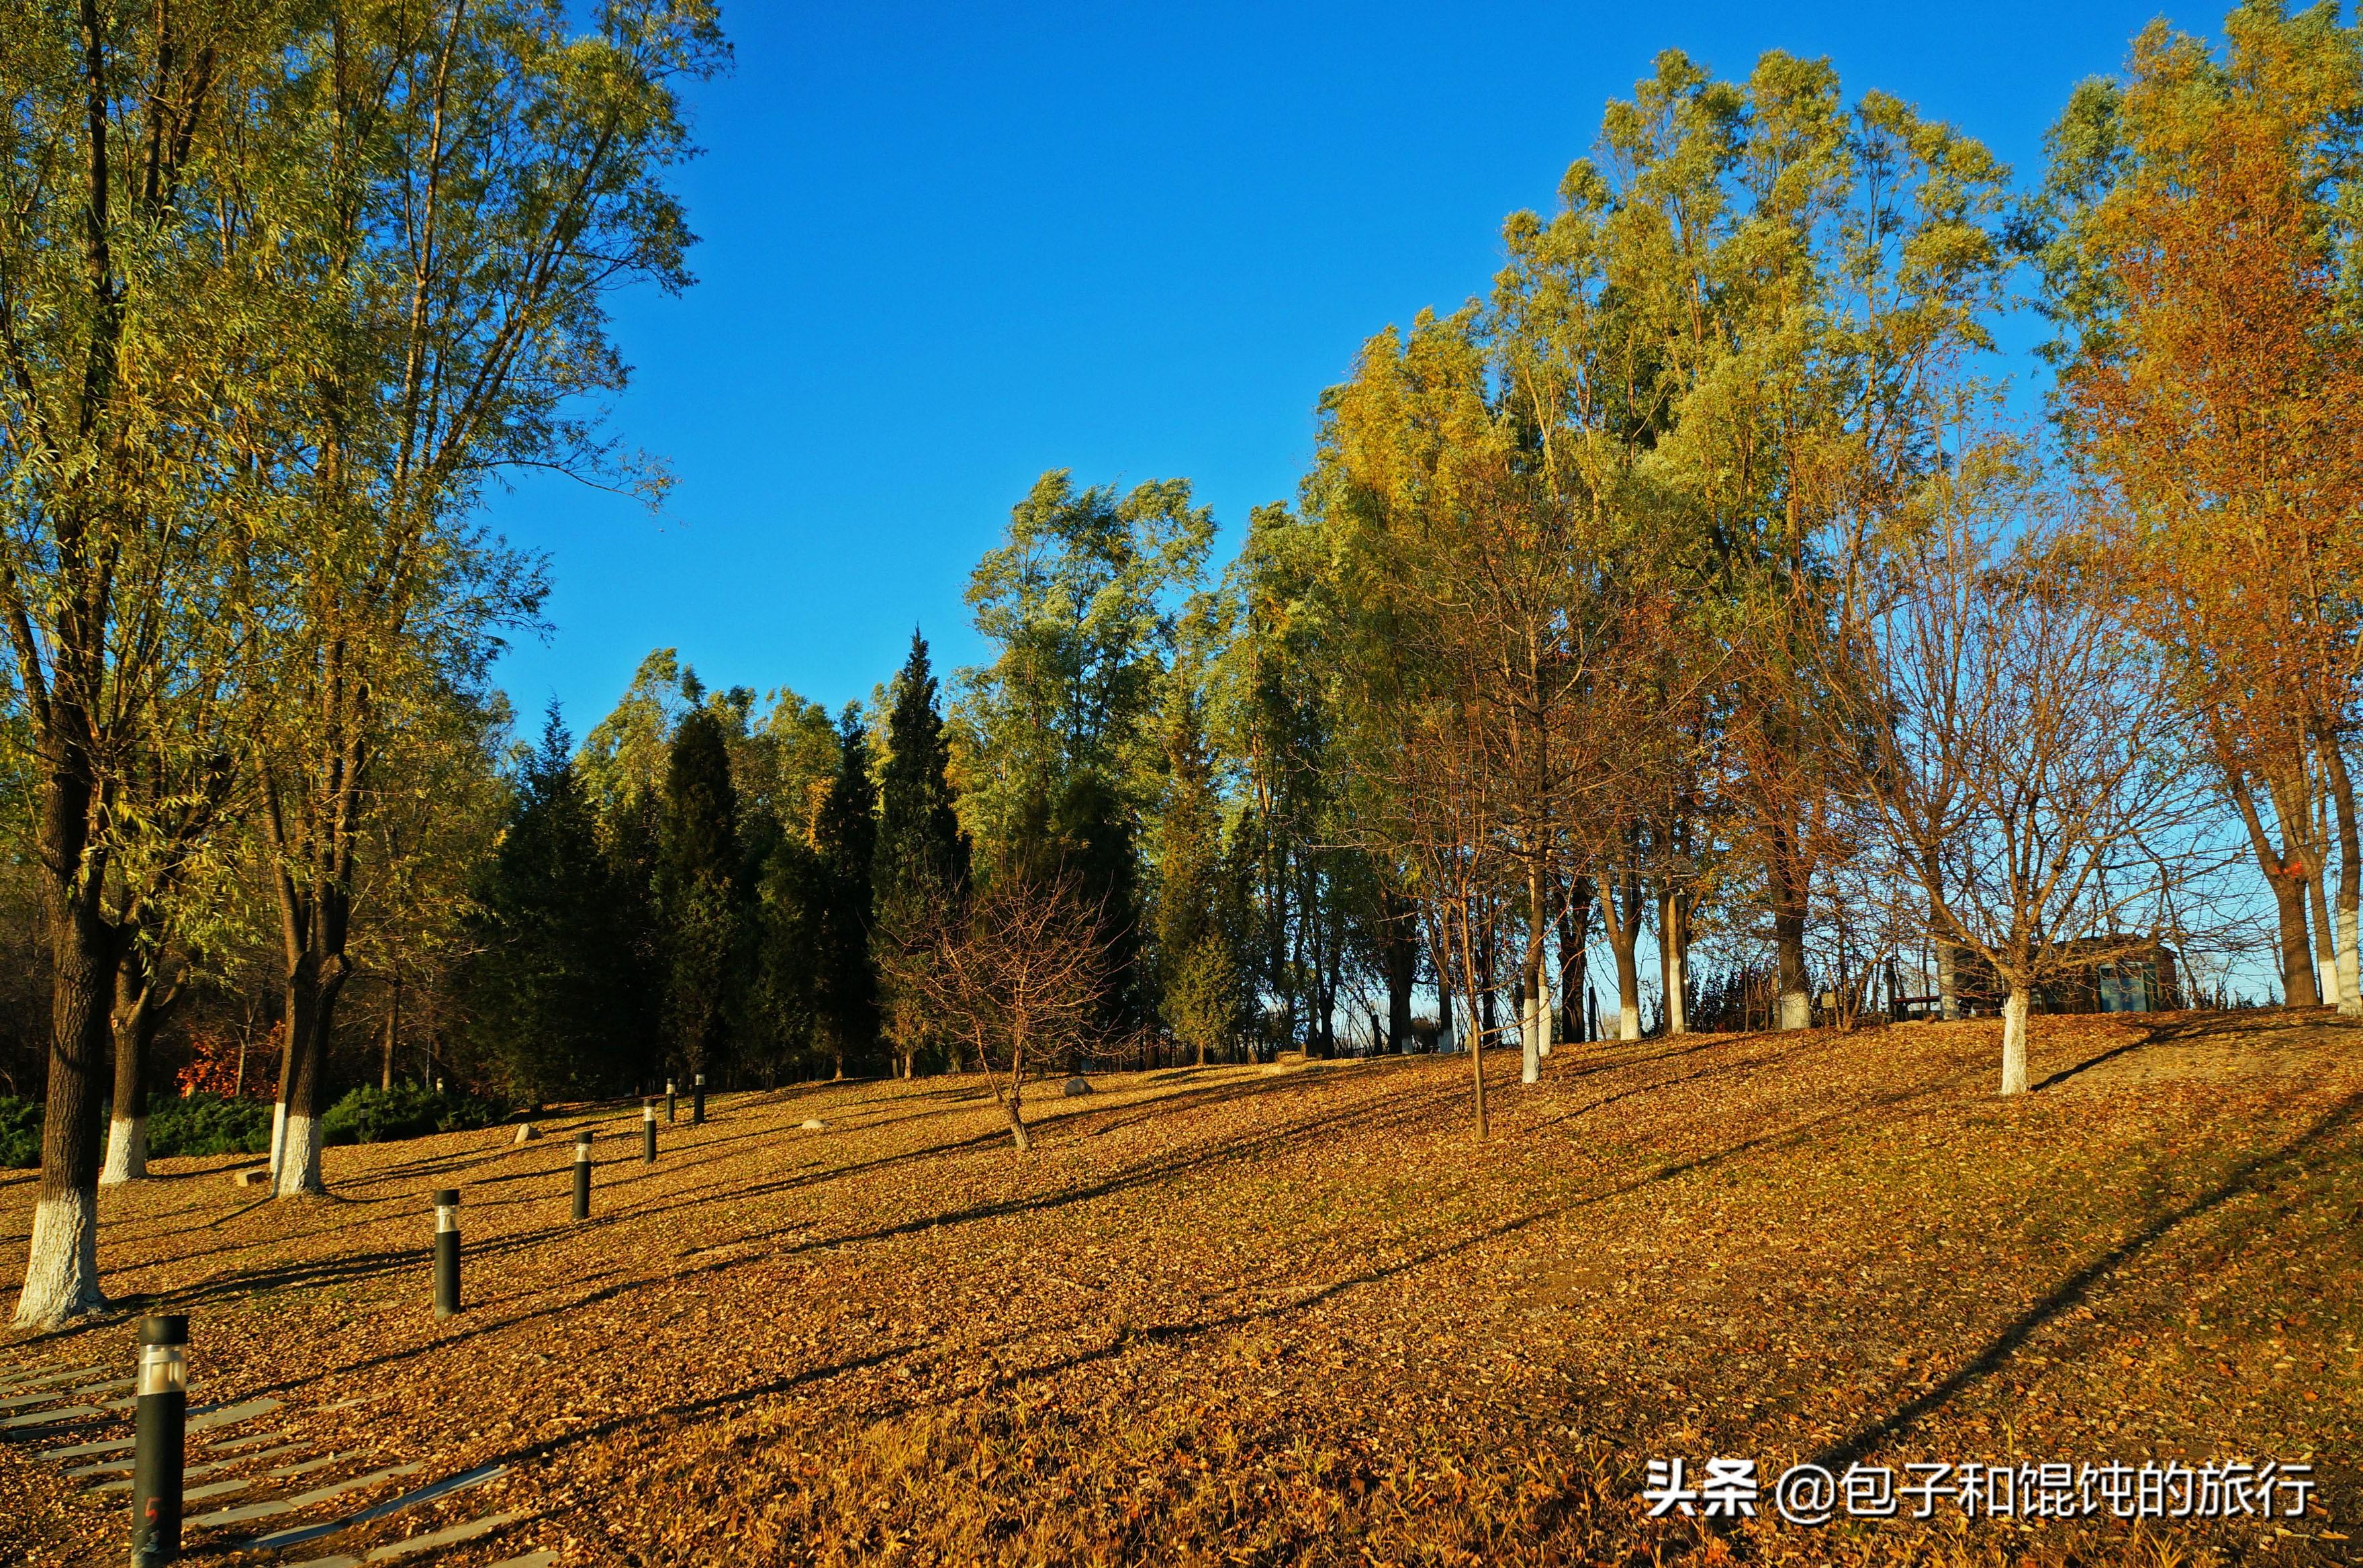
{"points": [[672, 1108], [582, 1174], [161, 1424], [697, 1100], [447, 1252], [649, 1132]]}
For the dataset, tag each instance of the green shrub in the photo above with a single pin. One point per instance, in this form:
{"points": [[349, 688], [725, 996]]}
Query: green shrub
{"points": [[206, 1124], [406, 1110], [20, 1133]]}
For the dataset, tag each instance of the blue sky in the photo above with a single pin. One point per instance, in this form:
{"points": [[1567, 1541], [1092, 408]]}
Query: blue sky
{"points": [[946, 248]]}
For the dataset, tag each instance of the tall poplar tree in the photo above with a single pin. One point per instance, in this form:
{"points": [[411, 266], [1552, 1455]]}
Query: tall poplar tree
{"points": [[484, 174], [132, 414]]}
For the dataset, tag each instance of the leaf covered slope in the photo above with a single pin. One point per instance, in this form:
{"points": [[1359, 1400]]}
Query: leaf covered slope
{"points": [[1246, 1315]]}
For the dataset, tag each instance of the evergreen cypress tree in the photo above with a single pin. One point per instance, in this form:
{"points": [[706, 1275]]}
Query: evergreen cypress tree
{"points": [[549, 989], [923, 857], [633, 837], [699, 863], [845, 837]]}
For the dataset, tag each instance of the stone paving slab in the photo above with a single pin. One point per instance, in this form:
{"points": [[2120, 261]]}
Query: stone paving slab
{"points": [[449, 1536], [33, 1379], [105, 1445], [189, 1495], [453, 1536], [53, 1418], [235, 1444], [264, 1511], [206, 1420], [280, 1539], [19, 1401], [545, 1558]]}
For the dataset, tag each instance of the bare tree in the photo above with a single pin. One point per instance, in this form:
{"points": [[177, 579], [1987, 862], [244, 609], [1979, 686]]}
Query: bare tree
{"points": [[2020, 758], [1018, 981]]}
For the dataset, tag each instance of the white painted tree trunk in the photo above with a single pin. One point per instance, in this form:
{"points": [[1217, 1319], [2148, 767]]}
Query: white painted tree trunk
{"points": [[1678, 1012], [2325, 946], [299, 1159], [1628, 1020], [2350, 997], [1949, 999], [61, 1264], [1530, 1038], [126, 1150], [2013, 1041], [1796, 1011]]}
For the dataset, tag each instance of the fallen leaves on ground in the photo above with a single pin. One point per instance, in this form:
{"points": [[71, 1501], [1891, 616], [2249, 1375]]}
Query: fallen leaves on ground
{"points": [[1230, 1315]]}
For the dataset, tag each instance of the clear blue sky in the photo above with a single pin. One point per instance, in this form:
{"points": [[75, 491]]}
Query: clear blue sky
{"points": [[948, 247]]}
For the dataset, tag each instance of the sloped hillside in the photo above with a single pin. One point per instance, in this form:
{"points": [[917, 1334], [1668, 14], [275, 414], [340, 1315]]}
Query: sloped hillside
{"points": [[1245, 1314]]}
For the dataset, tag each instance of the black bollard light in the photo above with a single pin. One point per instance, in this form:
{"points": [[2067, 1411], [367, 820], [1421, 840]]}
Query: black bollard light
{"points": [[697, 1100], [447, 1252], [672, 1112], [582, 1174], [649, 1132], [161, 1421]]}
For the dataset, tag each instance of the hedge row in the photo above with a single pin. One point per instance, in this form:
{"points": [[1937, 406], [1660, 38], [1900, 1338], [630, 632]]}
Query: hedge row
{"points": [[209, 1123]]}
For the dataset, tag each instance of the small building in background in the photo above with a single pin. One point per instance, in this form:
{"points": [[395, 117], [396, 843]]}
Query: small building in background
{"points": [[2112, 978]]}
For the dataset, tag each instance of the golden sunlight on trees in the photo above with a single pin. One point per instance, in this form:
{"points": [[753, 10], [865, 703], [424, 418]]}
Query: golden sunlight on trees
{"points": [[1702, 660]]}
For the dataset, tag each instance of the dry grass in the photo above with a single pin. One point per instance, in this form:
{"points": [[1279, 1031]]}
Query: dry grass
{"points": [[1249, 1316]]}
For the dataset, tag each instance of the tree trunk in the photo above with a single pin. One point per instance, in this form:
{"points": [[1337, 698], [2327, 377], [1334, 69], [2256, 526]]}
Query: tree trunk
{"points": [[2325, 950], [1537, 1008], [2014, 1039], [1574, 916], [1673, 955], [2350, 874], [137, 1011], [1620, 896], [313, 985], [1788, 897], [2300, 987], [2286, 877], [1628, 993], [1013, 1106], [62, 1259], [393, 1033], [1400, 956]]}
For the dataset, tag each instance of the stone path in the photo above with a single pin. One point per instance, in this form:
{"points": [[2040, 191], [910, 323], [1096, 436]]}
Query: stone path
{"points": [[44, 1405]]}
